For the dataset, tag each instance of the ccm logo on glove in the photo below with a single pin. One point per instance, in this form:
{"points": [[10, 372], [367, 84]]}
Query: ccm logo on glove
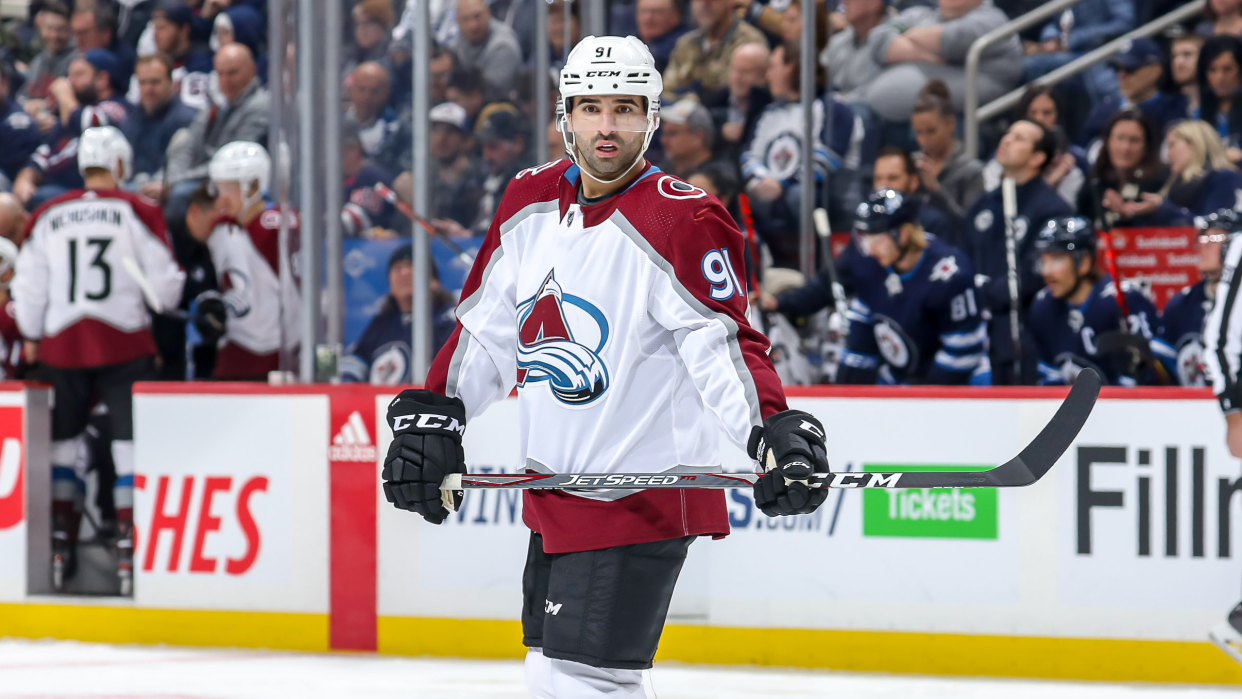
{"points": [[428, 421]]}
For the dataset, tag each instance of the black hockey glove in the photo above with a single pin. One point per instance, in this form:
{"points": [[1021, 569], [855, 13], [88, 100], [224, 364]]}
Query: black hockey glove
{"points": [[210, 317], [790, 448], [426, 446]]}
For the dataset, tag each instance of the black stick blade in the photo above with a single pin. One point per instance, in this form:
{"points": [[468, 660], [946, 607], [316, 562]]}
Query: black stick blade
{"points": [[1038, 456]]}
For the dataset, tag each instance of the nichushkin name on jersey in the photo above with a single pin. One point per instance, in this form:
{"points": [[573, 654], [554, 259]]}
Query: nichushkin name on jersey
{"points": [[97, 214]]}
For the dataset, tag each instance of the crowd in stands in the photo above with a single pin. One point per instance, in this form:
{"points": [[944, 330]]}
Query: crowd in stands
{"points": [[1149, 138]]}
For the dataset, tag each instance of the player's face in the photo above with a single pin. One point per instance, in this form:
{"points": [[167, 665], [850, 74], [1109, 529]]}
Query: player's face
{"points": [[608, 133], [879, 246], [1057, 269], [199, 221], [228, 199]]}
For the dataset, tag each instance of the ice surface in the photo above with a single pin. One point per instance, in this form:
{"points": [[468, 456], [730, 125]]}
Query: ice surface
{"points": [[54, 669]]}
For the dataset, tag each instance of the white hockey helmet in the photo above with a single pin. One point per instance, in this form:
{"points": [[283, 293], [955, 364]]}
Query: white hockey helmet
{"points": [[609, 65], [105, 147], [245, 163], [8, 261]]}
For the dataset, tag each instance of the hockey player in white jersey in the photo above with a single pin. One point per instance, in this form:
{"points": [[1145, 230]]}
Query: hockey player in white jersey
{"points": [[609, 293], [81, 307], [245, 249]]}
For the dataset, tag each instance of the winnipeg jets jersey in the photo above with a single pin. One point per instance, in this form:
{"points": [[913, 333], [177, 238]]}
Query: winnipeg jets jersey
{"points": [[262, 311], [1179, 335], [923, 326], [72, 287], [1068, 337], [622, 325]]}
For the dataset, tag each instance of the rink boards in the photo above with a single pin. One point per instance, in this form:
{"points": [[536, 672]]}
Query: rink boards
{"points": [[261, 523]]}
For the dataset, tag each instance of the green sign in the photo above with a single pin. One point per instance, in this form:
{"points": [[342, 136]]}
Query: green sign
{"points": [[942, 513]]}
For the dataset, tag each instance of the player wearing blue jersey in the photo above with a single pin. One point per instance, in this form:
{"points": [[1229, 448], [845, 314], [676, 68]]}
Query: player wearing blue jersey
{"points": [[1179, 335], [1075, 321], [914, 317]]}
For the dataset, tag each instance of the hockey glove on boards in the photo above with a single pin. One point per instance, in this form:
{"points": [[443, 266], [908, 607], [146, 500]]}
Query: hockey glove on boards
{"points": [[427, 429], [790, 448]]}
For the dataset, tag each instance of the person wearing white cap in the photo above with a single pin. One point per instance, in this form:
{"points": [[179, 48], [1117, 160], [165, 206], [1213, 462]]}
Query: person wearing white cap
{"points": [[687, 136], [456, 183], [95, 260]]}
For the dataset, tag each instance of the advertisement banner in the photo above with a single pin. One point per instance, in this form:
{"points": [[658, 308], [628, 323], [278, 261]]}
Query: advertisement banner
{"points": [[353, 481], [1166, 259], [12, 497], [230, 502]]}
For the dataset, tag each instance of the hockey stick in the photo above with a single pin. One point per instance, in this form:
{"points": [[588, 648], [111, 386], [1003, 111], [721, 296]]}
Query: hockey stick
{"points": [[1027, 467], [1009, 206], [391, 197], [820, 216]]}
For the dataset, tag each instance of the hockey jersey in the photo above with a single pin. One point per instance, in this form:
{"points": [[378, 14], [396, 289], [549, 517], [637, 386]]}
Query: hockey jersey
{"points": [[1067, 336], [775, 150], [263, 310], [12, 364], [382, 355], [57, 158], [1222, 334], [74, 287], [364, 208], [922, 326], [1179, 335], [622, 325]]}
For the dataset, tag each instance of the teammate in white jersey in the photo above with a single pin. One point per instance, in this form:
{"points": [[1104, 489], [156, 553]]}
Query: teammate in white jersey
{"points": [[92, 260], [609, 294], [245, 249]]}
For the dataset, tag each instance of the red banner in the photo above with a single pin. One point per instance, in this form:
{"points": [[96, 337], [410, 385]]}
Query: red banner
{"points": [[354, 477], [1166, 259]]}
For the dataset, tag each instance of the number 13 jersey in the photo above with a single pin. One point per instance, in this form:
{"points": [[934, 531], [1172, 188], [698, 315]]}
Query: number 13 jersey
{"points": [[72, 288]]}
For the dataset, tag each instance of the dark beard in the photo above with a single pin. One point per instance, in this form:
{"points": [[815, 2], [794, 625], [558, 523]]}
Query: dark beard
{"points": [[614, 167], [88, 96]]}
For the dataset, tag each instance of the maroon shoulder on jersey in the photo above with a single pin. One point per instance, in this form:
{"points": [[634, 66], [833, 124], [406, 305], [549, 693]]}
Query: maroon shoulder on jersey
{"points": [[38, 213], [536, 184], [264, 232]]}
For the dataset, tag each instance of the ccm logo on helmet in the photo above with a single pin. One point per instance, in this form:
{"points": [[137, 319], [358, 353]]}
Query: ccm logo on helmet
{"points": [[428, 421], [603, 73]]}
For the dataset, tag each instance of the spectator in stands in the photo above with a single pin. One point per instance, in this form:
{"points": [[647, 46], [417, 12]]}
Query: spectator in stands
{"points": [[850, 55], [660, 25], [1087, 25], [953, 181], [1067, 173], [365, 214], [502, 141], [1127, 166], [455, 191], [1183, 65], [443, 64], [1221, 17], [13, 218], [170, 29], [86, 98], [1203, 178], [736, 107], [924, 43], [93, 26], [556, 33], [895, 169], [1139, 71], [243, 117], [467, 88], [1220, 76], [771, 162], [51, 63], [488, 46], [378, 124], [18, 132], [791, 25], [700, 59], [373, 23], [150, 127], [382, 354], [686, 134], [242, 24], [1025, 151]]}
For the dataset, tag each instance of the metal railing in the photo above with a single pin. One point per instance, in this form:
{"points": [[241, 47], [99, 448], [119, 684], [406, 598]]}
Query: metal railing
{"points": [[973, 56], [975, 114]]}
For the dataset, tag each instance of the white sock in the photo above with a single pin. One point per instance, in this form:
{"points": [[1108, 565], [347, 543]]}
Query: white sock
{"points": [[539, 675]]}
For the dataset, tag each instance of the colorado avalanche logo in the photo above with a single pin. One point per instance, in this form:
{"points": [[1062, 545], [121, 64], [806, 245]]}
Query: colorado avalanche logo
{"points": [[560, 337]]}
